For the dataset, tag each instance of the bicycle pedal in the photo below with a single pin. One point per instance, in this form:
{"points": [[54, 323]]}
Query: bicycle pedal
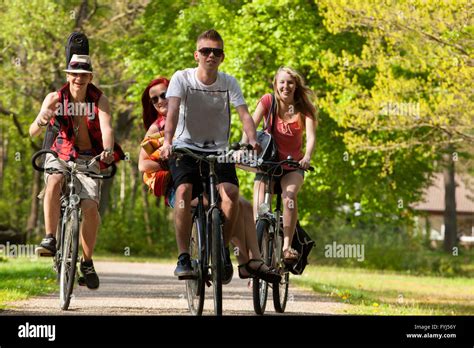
{"points": [[81, 281], [43, 252], [208, 283]]}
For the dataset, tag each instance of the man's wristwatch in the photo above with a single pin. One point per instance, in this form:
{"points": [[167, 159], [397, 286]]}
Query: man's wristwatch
{"points": [[109, 151]]}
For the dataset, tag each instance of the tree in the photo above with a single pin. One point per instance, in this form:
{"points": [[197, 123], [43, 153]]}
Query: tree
{"points": [[410, 87]]}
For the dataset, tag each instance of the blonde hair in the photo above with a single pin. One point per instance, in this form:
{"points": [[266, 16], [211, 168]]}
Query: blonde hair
{"points": [[303, 97]]}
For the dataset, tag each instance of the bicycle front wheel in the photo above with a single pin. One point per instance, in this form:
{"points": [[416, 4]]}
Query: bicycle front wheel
{"points": [[195, 288], [259, 286], [217, 256], [70, 246], [280, 290]]}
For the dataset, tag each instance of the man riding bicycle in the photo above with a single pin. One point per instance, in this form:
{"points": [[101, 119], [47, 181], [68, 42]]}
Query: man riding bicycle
{"points": [[81, 114], [199, 113]]}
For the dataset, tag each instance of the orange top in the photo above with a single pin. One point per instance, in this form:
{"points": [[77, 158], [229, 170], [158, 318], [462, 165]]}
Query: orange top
{"points": [[288, 135]]}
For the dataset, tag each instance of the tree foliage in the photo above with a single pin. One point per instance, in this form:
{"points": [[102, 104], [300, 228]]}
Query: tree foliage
{"points": [[393, 81]]}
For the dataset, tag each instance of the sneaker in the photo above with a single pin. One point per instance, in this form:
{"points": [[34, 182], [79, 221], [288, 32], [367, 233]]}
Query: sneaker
{"points": [[49, 243], [228, 268], [89, 277], [184, 269]]}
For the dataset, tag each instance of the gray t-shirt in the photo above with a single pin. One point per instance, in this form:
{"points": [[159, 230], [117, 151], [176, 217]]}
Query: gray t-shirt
{"points": [[204, 112]]}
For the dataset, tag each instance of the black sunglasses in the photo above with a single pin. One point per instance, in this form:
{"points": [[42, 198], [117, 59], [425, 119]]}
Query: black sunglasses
{"points": [[218, 52], [155, 99]]}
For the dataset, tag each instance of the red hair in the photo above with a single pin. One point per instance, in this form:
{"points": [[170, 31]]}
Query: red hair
{"points": [[150, 114]]}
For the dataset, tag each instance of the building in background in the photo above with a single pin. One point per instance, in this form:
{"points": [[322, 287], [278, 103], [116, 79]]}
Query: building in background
{"points": [[432, 208]]}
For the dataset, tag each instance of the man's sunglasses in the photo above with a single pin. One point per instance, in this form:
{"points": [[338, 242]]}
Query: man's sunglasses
{"points": [[156, 99], [218, 52]]}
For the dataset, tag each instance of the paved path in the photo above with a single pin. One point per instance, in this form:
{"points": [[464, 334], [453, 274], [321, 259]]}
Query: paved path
{"points": [[151, 289]]}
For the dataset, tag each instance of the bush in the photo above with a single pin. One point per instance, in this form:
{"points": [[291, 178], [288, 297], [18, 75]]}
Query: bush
{"points": [[388, 247]]}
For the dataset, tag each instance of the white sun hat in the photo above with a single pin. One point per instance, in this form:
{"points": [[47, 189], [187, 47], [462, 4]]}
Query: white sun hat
{"points": [[80, 64]]}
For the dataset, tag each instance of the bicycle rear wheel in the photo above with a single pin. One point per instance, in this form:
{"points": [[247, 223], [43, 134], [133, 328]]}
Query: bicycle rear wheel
{"points": [[70, 246], [217, 257], [195, 288], [259, 286]]}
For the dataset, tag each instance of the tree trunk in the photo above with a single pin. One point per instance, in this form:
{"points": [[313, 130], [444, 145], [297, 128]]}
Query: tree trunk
{"points": [[105, 196], [34, 207], [135, 177], [2, 156], [450, 219], [146, 215]]}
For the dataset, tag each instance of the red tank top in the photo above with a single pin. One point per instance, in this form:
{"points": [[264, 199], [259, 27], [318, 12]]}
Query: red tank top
{"points": [[288, 136]]}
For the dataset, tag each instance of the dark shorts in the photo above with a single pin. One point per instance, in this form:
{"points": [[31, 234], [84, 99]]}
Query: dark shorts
{"points": [[190, 170]]}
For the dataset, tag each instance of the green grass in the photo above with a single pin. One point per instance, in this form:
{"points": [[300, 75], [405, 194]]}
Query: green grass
{"points": [[21, 278], [371, 292]]}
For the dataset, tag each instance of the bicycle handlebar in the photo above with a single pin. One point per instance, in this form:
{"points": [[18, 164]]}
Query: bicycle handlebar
{"points": [[223, 158], [68, 167], [290, 162]]}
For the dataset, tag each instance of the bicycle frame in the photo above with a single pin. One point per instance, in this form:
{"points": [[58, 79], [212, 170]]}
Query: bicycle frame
{"points": [[272, 216]]}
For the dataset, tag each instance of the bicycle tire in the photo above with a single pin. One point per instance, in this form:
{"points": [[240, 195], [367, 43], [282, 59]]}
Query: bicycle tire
{"points": [[195, 288], [60, 238], [217, 257], [70, 249], [259, 286], [280, 290]]}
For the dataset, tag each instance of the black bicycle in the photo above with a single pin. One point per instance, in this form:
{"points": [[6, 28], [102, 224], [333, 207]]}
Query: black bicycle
{"points": [[270, 238], [206, 245], [67, 233]]}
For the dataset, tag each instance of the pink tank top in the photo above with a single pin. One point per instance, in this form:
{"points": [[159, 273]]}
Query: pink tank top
{"points": [[288, 136]]}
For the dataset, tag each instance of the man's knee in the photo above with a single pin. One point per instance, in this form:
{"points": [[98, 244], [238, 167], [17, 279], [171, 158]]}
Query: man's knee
{"points": [[89, 206], [54, 183], [184, 190]]}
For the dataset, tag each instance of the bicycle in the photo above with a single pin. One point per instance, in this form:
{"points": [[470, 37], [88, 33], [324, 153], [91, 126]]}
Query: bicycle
{"points": [[269, 227], [206, 245], [67, 234]]}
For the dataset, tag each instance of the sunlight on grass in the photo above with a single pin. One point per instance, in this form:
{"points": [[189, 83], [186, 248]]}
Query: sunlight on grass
{"points": [[389, 293], [21, 278]]}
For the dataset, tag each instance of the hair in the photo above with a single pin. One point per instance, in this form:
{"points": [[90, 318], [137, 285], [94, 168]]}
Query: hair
{"points": [[210, 34], [149, 112], [303, 97]]}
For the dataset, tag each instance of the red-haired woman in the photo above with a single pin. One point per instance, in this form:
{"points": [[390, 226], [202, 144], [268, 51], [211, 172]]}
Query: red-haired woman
{"points": [[155, 107]]}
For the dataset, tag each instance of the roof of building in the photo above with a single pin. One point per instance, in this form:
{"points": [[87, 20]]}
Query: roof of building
{"points": [[433, 196]]}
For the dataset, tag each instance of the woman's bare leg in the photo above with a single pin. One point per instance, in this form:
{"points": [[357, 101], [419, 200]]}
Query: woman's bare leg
{"points": [[290, 184]]}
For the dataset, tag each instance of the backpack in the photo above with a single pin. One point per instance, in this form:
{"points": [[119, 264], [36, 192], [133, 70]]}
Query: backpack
{"points": [[265, 138], [303, 244]]}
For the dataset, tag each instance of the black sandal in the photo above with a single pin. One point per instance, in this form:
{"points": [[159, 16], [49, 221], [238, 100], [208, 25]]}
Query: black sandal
{"points": [[241, 276], [270, 276]]}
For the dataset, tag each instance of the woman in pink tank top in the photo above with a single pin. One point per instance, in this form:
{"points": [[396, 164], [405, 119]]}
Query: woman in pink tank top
{"points": [[295, 113]]}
